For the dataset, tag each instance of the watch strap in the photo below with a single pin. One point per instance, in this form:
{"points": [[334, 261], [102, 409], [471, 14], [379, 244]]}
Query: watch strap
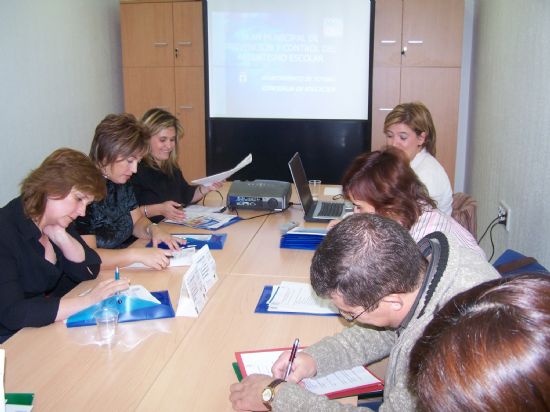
{"points": [[272, 386]]}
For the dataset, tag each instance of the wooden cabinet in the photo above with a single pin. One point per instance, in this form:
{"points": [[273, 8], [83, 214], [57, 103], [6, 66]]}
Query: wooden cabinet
{"points": [[163, 66], [417, 56]]}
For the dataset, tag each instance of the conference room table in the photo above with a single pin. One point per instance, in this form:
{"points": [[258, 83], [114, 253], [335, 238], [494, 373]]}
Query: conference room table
{"points": [[180, 363]]}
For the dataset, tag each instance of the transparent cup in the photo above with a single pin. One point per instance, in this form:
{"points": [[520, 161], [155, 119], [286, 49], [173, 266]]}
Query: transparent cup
{"points": [[315, 187], [106, 320]]}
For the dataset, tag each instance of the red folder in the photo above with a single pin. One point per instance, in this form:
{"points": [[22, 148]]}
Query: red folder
{"points": [[378, 385]]}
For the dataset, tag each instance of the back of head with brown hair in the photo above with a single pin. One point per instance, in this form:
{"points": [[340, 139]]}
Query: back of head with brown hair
{"points": [[417, 116], [488, 349], [385, 180], [56, 176], [118, 136]]}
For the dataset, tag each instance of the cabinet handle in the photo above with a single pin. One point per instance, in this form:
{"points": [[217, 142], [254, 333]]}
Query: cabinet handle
{"points": [[385, 109], [404, 50], [186, 107], [388, 41], [160, 44], [415, 41], [184, 43]]}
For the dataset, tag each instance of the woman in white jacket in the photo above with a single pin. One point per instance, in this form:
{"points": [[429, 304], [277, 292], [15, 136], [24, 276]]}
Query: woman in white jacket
{"points": [[409, 127]]}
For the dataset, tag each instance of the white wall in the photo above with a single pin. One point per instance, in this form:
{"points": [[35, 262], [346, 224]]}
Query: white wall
{"points": [[60, 74], [509, 145]]}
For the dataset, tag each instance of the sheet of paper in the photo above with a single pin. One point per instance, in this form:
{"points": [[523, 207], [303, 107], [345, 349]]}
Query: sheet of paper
{"points": [[333, 191], [183, 257], [206, 265], [139, 291], [210, 180], [341, 380], [198, 279], [261, 362], [203, 209], [308, 231], [298, 297], [202, 220]]}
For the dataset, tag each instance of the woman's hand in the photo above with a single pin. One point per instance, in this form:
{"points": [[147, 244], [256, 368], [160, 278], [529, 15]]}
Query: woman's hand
{"points": [[158, 235], [304, 366], [70, 247], [107, 288], [333, 223], [172, 210], [154, 257]]}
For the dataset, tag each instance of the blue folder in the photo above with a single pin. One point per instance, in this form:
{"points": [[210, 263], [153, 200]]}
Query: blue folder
{"points": [[262, 306], [302, 238], [215, 241], [129, 309]]}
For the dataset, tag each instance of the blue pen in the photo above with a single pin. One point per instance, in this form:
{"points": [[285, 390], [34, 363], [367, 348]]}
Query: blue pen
{"points": [[117, 277]]}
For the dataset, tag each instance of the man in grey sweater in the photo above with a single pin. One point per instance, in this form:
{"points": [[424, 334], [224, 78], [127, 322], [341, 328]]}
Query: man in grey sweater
{"points": [[377, 276]]}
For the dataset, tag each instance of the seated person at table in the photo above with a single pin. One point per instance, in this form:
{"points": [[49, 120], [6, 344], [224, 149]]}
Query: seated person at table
{"points": [[487, 350], [161, 190], [118, 145], [377, 276], [382, 182], [409, 127], [41, 254]]}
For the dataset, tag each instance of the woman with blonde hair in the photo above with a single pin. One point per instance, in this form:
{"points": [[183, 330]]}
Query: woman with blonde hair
{"points": [[160, 187], [41, 254], [409, 127]]}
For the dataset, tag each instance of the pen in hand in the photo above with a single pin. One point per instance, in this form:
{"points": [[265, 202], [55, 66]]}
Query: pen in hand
{"points": [[293, 353]]}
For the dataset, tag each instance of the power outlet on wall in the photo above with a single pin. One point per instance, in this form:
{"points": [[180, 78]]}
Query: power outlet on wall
{"points": [[504, 214]]}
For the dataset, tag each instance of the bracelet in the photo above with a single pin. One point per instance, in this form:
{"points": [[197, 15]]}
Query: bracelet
{"points": [[145, 212], [148, 229]]}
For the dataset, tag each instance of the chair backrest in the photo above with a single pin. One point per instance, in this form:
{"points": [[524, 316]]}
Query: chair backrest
{"points": [[465, 212]]}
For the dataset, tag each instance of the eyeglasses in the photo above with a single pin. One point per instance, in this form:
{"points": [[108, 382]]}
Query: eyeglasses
{"points": [[350, 317]]}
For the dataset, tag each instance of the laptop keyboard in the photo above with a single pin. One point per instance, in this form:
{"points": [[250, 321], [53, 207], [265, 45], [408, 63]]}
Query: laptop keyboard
{"points": [[331, 209]]}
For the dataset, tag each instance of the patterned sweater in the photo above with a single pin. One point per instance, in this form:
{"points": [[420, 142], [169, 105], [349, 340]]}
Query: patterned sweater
{"points": [[453, 269]]}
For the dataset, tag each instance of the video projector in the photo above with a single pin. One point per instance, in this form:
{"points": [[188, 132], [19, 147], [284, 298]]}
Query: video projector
{"points": [[259, 195]]}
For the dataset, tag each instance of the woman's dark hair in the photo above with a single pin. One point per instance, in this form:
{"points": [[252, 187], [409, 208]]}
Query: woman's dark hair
{"points": [[488, 349], [385, 180]]}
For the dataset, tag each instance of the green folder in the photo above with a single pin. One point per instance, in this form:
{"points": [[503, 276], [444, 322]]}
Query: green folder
{"points": [[237, 371], [19, 398]]}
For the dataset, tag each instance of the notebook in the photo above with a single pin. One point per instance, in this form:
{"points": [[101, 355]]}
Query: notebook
{"points": [[314, 211]]}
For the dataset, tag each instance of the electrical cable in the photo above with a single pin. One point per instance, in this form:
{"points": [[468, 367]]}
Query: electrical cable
{"points": [[492, 243], [488, 227]]}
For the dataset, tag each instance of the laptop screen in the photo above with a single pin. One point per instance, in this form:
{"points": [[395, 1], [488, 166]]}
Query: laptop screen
{"points": [[300, 180]]}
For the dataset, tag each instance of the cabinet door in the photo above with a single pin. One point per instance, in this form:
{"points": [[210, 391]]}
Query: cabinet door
{"points": [[438, 89], [386, 83], [190, 111], [147, 35], [188, 38], [387, 33], [432, 32], [145, 88]]}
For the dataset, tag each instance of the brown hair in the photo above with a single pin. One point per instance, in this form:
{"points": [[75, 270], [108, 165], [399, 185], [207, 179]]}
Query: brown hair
{"points": [[487, 350], [56, 176], [418, 118], [366, 257], [156, 120], [118, 136], [385, 180]]}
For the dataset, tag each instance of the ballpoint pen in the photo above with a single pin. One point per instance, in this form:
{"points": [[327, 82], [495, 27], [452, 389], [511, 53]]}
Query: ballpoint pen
{"points": [[117, 277], [293, 353]]}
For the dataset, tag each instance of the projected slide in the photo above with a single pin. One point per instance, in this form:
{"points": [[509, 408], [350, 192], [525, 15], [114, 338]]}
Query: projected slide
{"points": [[284, 59]]}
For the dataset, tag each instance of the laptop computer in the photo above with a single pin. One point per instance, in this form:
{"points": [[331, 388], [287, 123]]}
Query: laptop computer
{"points": [[314, 211]]}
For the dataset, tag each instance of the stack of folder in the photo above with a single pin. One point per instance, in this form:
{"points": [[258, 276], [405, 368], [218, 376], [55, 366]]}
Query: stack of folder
{"points": [[303, 238]]}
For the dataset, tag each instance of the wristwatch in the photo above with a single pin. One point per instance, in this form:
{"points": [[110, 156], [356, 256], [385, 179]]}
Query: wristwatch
{"points": [[269, 393]]}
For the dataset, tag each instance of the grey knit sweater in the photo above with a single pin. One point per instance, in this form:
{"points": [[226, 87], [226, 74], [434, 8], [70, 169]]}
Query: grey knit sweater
{"points": [[452, 270]]}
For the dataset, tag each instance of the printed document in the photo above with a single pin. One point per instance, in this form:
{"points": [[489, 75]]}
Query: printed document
{"points": [[210, 180]]}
